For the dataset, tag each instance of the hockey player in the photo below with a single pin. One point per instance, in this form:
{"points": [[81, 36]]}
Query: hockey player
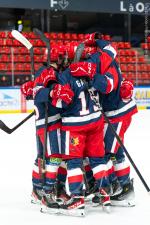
{"points": [[102, 53], [121, 122], [82, 134], [37, 182], [119, 107], [41, 89], [52, 138]]}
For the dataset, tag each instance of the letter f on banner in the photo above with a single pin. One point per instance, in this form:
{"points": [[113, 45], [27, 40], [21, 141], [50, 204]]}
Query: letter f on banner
{"points": [[53, 3]]}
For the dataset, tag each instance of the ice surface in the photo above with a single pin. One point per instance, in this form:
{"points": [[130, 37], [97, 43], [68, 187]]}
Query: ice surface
{"points": [[17, 153]]}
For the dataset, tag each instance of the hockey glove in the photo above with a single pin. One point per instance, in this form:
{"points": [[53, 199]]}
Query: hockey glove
{"points": [[27, 89], [88, 51], [38, 85], [126, 90], [91, 39], [47, 75], [83, 69], [61, 93]]}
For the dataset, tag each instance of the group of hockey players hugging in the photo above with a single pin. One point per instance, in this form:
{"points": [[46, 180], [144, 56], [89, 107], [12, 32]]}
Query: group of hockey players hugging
{"points": [[82, 155]]}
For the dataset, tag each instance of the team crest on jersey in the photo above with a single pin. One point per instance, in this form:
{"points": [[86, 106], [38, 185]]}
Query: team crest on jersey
{"points": [[74, 141]]}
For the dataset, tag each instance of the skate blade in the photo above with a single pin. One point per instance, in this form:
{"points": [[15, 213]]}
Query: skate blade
{"points": [[60, 201], [123, 203], [95, 204], [88, 198], [45, 209], [117, 192], [35, 201], [73, 212]]}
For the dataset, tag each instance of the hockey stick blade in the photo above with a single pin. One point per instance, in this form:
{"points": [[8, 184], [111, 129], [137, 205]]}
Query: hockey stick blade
{"points": [[4, 127], [18, 36], [8, 130], [79, 52]]}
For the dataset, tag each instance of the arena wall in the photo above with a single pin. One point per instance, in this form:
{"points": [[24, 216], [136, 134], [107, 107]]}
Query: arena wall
{"points": [[12, 101]]}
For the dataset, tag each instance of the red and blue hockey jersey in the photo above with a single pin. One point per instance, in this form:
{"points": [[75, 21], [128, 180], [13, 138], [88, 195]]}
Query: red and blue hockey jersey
{"points": [[108, 84], [54, 120], [82, 111]]}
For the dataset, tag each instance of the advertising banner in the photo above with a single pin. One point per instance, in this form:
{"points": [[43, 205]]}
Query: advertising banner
{"points": [[142, 97], [12, 101]]}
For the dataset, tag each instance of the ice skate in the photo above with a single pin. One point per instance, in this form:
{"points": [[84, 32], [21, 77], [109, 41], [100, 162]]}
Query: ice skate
{"points": [[116, 188], [105, 199], [36, 196], [96, 201], [74, 207], [126, 198], [89, 194], [62, 196], [102, 198], [49, 204]]}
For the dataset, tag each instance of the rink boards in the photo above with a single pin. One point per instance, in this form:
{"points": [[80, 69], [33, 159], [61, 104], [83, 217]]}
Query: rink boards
{"points": [[12, 101]]}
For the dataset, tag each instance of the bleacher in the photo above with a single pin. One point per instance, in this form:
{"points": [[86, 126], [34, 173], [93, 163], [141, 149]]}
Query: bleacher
{"points": [[15, 58], [146, 46]]}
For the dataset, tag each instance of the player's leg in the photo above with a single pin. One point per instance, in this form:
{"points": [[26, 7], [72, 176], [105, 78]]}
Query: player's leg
{"points": [[122, 170], [72, 144], [90, 186], [95, 149], [62, 195], [121, 165], [37, 182], [53, 161], [111, 145]]}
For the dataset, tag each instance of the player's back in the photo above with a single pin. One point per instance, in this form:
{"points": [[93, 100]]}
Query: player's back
{"points": [[82, 111]]}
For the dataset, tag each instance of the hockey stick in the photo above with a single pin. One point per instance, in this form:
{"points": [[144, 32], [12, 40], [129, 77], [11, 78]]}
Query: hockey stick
{"points": [[119, 140], [8, 130], [41, 162], [18, 36], [45, 40], [126, 152]]}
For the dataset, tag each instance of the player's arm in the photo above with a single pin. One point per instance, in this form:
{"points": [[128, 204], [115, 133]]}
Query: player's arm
{"points": [[107, 56], [107, 82], [43, 84], [107, 51], [83, 69], [27, 89], [96, 40]]}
